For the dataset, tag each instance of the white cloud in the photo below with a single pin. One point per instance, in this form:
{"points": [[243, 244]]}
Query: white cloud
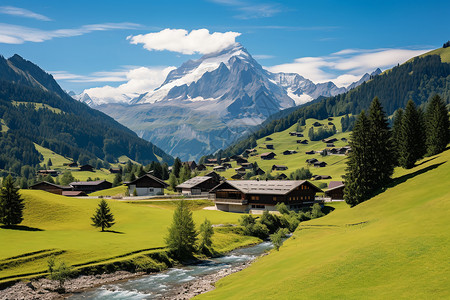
{"points": [[115, 76], [182, 41], [21, 12], [263, 56], [15, 34], [346, 66], [251, 10], [139, 80]]}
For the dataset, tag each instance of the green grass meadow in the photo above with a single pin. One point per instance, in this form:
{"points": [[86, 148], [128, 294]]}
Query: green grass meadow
{"points": [[394, 246], [60, 225]]}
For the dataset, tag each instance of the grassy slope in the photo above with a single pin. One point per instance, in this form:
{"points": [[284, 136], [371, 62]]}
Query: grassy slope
{"points": [[444, 53], [401, 251], [283, 141], [65, 224], [115, 191]]}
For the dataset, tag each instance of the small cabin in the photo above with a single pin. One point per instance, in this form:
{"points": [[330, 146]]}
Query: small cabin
{"points": [[335, 190], [115, 170], [52, 173], [289, 152], [191, 165], [88, 168], [147, 185], [241, 160], [226, 165], [281, 176], [247, 165], [197, 185], [50, 187], [73, 165], [311, 160], [310, 152], [211, 161], [201, 167], [268, 155], [219, 169], [90, 186], [279, 168], [269, 146], [240, 170], [237, 176], [74, 193], [320, 164]]}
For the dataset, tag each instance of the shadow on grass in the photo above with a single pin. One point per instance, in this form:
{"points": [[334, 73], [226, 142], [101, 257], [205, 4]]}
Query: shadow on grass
{"points": [[113, 231], [327, 209], [20, 227], [425, 161]]}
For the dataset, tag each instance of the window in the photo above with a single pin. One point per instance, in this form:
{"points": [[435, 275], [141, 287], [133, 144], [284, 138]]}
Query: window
{"points": [[254, 198]]}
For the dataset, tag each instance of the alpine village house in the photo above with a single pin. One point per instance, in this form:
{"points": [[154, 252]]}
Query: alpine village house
{"points": [[245, 195]]}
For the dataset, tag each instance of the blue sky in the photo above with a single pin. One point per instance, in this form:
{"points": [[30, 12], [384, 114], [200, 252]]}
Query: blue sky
{"points": [[85, 45]]}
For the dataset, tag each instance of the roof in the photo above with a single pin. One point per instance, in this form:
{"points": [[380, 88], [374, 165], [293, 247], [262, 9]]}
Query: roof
{"points": [[51, 184], [193, 182], [46, 171], [334, 185], [73, 193], [149, 176], [273, 187], [218, 167], [87, 183], [267, 153]]}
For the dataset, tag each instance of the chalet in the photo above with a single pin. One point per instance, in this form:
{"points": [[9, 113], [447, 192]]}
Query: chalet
{"points": [[219, 169], [299, 134], [310, 152], [197, 185], [320, 177], [259, 171], [73, 165], [330, 119], [241, 160], [115, 170], [311, 160], [249, 151], [147, 185], [330, 123], [329, 145], [320, 164], [211, 161], [281, 176], [302, 142], [293, 133], [317, 124], [344, 139], [226, 165], [279, 168], [191, 164], [201, 167], [237, 176], [225, 160], [240, 170], [87, 168], [247, 165], [74, 193], [244, 195], [269, 146], [50, 187], [268, 155], [234, 157], [268, 139], [289, 152], [335, 190], [214, 175], [53, 173], [90, 186], [333, 151], [330, 140]]}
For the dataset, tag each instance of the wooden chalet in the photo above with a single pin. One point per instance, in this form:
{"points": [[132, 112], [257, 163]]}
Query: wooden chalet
{"points": [[241, 160], [259, 171], [244, 195], [279, 168], [197, 185], [320, 164], [191, 164], [330, 119], [311, 160], [50, 187], [240, 170], [211, 161], [320, 177], [310, 152], [330, 140], [270, 146], [73, 165], [247, 165], [90, 186], [335, 190], [250, 151], [213, 174], [201, 167], [237, 176], [317, 124], [234, 157], [330, 123], [74, 193], [330, 145], [268, 139], [147, 185], [302, 142], [52, 173], [281, 176], [219, 169], [289, 152], [115, 170], [344, 139], [87, 168], [226, 165], [268, 155]]}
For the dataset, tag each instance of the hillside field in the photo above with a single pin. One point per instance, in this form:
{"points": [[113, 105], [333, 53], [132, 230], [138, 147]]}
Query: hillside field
{"points": [[394, 246], [283, 141], [61, 225]]}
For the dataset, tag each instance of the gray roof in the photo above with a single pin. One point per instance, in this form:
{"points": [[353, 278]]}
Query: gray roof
{"points": [[87, 183], [193, 182], [334, 185], [273, 187]]}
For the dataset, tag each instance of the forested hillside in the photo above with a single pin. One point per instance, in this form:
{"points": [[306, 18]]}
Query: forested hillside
{"points": [[44, 114], [417, 79]]}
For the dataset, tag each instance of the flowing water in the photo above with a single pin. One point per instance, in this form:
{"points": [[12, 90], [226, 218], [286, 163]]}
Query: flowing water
{"points": [[161, 284]]}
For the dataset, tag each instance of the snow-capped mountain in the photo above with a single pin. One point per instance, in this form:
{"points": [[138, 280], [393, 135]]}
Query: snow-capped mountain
{"points": [[205, 104], [364, 78]]}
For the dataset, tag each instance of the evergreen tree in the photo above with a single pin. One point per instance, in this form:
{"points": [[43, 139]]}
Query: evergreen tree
{"points": [[206, 233], [11, 203], [103, 217], [185, 173], [396, 133], [182, 234], [49, 178], [437, 126], [49, 163], [358, 177], [382, 155], [172, 181], [117, 180], [67, 178], [411, 137], [141, 171], [176, 167], [165, 171]]}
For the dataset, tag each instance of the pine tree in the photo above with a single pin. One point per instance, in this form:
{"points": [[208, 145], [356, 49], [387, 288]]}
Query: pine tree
{"points": [[185, 173], [182, 234], [67, 178], [117, 179], [382, 155], [411, 137], [103, 217], [11, 203], [396, 133], [172, 181], [176, 167], [437, 125], [141, 171], [358, 177], [49, 163], [206, 233]]}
